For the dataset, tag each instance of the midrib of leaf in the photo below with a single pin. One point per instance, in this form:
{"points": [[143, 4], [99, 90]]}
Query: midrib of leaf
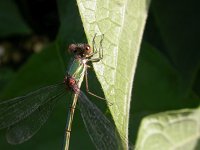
{"points": [[122, 23]]}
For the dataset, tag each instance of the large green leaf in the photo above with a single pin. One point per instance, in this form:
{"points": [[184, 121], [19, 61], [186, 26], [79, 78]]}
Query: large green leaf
{"points": [[122, 23], [170, 130]]}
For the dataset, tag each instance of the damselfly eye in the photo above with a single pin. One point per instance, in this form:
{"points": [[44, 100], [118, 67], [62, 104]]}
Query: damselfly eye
{"points": [[87, 49]]}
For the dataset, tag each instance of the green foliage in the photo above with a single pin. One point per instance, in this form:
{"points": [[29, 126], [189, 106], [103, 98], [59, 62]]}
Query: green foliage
{"points": [[166, 78], [170, 130], [11, 20], [122, 37]]}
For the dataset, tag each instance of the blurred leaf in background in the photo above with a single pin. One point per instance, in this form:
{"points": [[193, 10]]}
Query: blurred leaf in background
{"points": [[11, 20]]}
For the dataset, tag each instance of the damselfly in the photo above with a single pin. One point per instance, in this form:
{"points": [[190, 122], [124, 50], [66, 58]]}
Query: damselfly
{"points": [[23, 116]]}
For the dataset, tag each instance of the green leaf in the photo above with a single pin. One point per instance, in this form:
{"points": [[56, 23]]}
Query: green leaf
{"points": [[122, 23], [45, 68], [157, 85], [157, 88], [6, 74], [170, 130], [179, 31], [11, 20], [35, 73]]}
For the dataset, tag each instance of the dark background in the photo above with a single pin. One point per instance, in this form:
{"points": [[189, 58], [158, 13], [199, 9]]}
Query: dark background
{"points": [[33, 41]]}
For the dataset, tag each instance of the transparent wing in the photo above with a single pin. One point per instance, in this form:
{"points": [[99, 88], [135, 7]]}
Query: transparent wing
{"points": [[14, 110], [101, 130], [26, 128]]}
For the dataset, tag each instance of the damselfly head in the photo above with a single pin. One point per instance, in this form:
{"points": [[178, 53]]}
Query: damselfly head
{"points": [[80, 50]]}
